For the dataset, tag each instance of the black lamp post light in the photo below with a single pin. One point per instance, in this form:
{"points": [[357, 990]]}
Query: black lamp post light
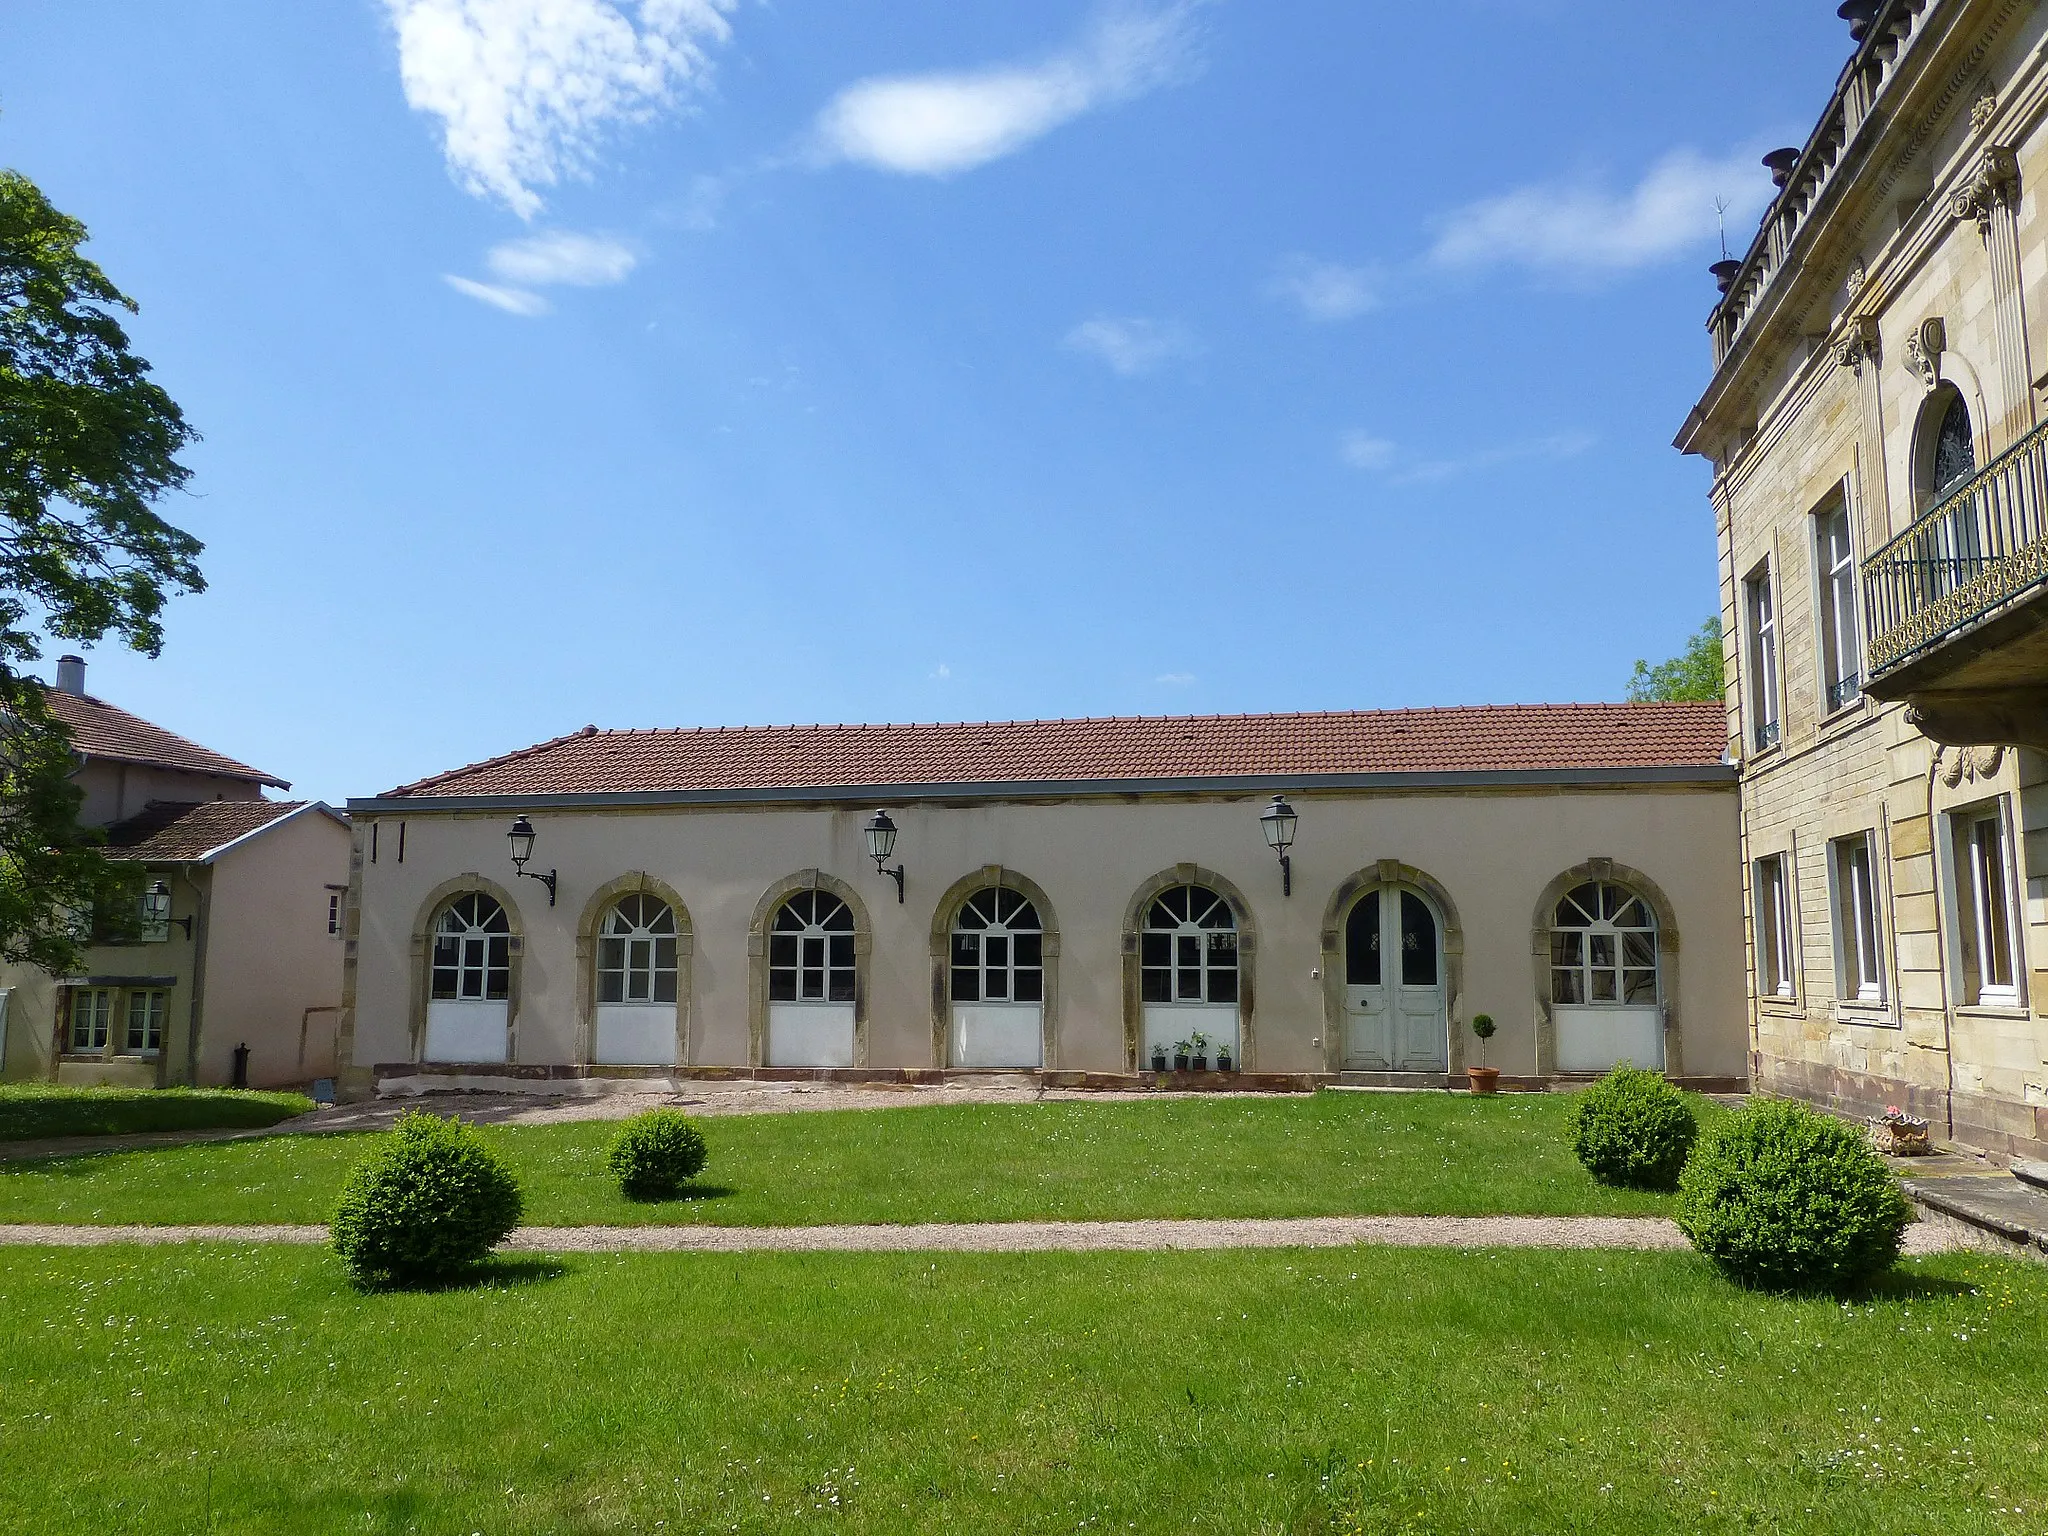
{"points": [[881, 835], [521, 837], [1279, 821], [156, 911]]}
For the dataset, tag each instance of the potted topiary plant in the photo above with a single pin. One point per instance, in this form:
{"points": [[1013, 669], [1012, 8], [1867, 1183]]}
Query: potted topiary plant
{"points": [[1200, 1042], [1181, 1051], [1484, 1079], [1159, 1057]]}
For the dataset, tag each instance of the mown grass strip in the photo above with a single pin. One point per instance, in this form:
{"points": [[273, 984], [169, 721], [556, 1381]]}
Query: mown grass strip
{"points": [[1323, 1155], [30, 1111], [250, 1391]]}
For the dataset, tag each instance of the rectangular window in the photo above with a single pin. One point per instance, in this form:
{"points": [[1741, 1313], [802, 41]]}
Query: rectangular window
{"points": [[1986, 927], [92, 1010], [145, 1033], [1858, 974], [1841, 657], [334, 912], [1772, 898], [1761, 615]]}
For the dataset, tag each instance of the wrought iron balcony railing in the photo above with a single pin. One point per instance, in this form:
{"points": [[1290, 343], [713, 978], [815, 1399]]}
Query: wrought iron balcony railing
{"points": [[1972, 552]]}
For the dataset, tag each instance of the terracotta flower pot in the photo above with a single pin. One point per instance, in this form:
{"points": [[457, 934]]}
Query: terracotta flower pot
{"points": [[1484, 1079]]}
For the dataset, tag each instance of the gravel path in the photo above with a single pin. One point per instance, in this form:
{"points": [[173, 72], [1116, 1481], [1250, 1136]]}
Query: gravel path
{"points": [[1646, 1232]]}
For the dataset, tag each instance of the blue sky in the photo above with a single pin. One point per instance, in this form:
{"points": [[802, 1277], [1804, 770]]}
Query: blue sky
{"points": [[670, 362]]}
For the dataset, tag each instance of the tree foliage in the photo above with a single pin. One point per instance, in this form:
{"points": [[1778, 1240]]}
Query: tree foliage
{"points": [[1693, 676], [87, 444]]}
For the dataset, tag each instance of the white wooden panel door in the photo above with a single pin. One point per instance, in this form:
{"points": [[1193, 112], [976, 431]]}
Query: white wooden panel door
{"points": [[1395, 998], [1005, 1035], [810, 1034], [636, 1035], [1597, 1039], [467, 1031]]}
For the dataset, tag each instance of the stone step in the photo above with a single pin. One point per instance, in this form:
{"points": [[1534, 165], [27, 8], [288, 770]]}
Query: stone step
{"points": [[2035, 1174], [2017, 1216]]}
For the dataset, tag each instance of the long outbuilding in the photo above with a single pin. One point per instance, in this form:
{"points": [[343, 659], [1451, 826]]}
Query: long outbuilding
{"points": [[1080, 898]]}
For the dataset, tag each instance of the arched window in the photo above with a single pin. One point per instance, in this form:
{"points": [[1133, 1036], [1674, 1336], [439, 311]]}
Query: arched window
{"points": [[1603, 947], [636, 954], [810, 950], [472, 951], [1188, 950], [998, 950], [1953, 457]]}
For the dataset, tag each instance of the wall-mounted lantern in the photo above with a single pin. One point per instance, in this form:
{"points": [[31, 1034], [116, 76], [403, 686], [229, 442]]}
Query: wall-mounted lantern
{"points": [[521, 837], [156, 912], [1279, 821], [881, 835]]}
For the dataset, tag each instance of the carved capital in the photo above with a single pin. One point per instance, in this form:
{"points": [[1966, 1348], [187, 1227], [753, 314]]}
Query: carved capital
{"points": [[1993, 185], [1923, 351], [1857, 345]]}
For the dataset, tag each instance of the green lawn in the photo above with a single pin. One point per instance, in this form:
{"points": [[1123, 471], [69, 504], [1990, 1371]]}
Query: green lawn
{"points": [[1326, 1154], [232, 1390], [29, 1110]]}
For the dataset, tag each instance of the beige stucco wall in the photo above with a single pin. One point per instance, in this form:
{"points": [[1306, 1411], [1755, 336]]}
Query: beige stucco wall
{"points": [[1491, 852], [270, 956], [115, 791]]}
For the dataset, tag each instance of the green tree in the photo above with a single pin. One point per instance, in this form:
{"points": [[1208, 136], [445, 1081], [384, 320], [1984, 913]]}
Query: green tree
{"points": [[87, 444], [1693, 676]]}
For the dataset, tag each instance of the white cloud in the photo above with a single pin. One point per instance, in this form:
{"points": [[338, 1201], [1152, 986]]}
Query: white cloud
{"points": [[514, 301], [565, 257], [938, 124], [1585, 228], [525, 89], [1131, 346], [942, 673], [1324, 290], [1175, 679], [1361, 450]]}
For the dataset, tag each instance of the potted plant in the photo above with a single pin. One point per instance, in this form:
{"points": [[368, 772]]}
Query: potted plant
{"points": [[1223, 1062], [1898, 1134], [1484, 1079], [1159, 1057], [1181, 1051], [1200, 1042]]}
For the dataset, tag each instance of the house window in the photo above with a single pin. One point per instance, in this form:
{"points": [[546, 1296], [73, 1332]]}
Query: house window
{"points": [[1858, 976], [472, 951], [1772, 896], [1188, 951], [92, 1010], [1986, 932], [1841, 657], [810, 951], [145, 1033], [1762, 617], [1603, 947], [636, 952], [998, 950], [334, 912]]}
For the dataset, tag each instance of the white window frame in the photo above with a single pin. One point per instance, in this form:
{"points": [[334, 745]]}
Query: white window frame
{"points": [[644, 949], [1841, 645], [103, 1021], [1760, 642], [334, 914], [819, 956], [1775, 950], [155, 1003], [1973, 906], [984, 960], [480, 943], [1195, 947], [1858, 925]]}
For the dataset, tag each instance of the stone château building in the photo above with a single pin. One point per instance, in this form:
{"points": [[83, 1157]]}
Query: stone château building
{"points": [[1880, 489]]}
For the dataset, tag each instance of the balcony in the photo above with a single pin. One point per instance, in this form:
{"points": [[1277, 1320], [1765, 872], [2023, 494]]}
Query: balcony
{"points": [[1957, 607]]}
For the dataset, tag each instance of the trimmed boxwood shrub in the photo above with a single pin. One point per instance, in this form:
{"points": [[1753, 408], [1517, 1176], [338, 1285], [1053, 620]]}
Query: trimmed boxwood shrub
{"points": [[427, 1205], [656, 1154], [1784, 1199], [1634, 1129]]}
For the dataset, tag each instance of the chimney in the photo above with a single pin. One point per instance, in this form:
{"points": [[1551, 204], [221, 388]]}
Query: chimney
{"points": [[71, 675], [1780, 163]]}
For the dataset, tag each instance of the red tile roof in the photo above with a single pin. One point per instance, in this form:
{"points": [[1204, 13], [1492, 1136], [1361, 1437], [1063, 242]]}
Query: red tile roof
{"points": [[174, 831], [98, 729], [1488, 738]]}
